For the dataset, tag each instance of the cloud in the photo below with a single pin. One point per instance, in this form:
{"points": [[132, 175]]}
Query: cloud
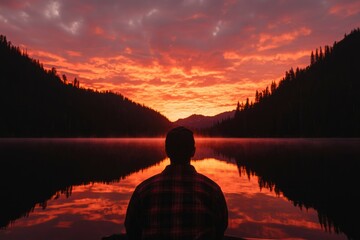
{"points": [[346, 9], [156, 51], [268, 41], [52, 10]]}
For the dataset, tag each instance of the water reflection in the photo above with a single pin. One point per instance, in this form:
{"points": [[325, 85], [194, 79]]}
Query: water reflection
{"points": [[100, 176], [311, 173], [34, 171]]}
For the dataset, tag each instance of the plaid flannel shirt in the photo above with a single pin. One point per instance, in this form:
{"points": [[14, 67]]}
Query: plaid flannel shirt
{"points": [[178, 203]]}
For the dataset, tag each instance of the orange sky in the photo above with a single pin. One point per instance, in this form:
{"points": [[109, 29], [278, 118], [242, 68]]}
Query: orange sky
{"points": [[177, 57]]}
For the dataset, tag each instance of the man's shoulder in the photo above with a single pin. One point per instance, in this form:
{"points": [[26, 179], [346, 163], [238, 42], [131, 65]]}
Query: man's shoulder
{"points": [[195, 177], [208, 181], [148, 182]]}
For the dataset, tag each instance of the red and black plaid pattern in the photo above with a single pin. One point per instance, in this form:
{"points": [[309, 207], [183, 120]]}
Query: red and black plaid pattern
{"points": [[178, 203]]}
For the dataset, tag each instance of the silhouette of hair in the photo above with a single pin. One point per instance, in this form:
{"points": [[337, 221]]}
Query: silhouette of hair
{"points": [[180, 145]]}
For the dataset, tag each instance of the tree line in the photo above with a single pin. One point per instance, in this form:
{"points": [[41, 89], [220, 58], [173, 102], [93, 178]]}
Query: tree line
{"points": [[320, 100], [36, 102]]}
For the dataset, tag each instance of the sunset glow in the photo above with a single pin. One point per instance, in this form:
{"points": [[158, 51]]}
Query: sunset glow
{"points": [[251, 212], [177, 57]]}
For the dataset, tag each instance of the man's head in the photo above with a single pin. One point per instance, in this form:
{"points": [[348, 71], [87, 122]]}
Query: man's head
{"points": [[180, 145]]}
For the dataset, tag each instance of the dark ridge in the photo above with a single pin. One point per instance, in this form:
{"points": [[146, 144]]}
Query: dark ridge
{"points": [[320, 100], [35, 102]]}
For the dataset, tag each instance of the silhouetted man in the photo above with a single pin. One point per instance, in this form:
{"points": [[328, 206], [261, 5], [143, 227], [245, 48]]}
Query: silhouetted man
{"points": [[178, 203]]}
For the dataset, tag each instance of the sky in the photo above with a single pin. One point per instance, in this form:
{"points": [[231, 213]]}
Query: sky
{"points": [[179, 57]]}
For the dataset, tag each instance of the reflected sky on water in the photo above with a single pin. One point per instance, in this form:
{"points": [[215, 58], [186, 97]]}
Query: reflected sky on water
{"points": [[97, 209]]}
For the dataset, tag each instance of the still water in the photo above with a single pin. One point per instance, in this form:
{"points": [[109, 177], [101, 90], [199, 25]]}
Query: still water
{"points": [[274, 188]]}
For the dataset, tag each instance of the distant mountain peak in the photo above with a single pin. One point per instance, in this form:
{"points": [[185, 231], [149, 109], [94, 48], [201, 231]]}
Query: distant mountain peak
{"points": [[198, 121]]}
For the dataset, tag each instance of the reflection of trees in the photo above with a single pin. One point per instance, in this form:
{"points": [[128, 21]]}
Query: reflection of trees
{"points": [[319, 174], [35, 171]]}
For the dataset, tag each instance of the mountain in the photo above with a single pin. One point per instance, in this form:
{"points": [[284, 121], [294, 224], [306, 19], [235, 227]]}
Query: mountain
{"points": [[196, 121], [321, 100], [35, 102]]}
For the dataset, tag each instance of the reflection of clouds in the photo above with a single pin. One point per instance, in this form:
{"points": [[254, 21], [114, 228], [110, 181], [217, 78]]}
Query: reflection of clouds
{"points": [[227, 176], [64, 224], [252, 213], [258, 213], [94, 202], [99, 188], [262, 209], [35, 219]]}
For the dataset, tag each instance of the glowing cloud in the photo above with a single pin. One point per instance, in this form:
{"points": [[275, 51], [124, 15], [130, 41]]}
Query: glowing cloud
{"points": [[190, 56]]}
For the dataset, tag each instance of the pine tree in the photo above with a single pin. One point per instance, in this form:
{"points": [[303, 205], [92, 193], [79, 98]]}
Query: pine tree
{"points": [[273, 87], [64, 78], [316, 55], [312, 58], [257, 96], [321, 56]]}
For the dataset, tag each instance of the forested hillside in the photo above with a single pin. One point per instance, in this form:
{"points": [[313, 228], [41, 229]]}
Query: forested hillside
{"points": [[35, 102], [321, 100]]}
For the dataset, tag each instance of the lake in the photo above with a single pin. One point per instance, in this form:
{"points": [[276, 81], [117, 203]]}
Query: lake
{"points": [[274, 188]]}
